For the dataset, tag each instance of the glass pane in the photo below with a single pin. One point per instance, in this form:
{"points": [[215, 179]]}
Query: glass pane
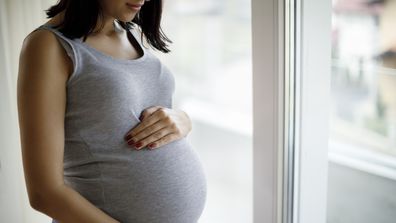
{"points": [[362, 145], [211, 61]]}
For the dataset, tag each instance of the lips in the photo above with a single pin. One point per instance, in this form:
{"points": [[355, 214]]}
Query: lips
{"points": [[134, 6]]}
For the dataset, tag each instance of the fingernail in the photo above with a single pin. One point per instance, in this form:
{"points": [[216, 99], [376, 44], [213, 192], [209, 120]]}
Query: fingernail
{"points": [[151, 146], [138, 145], [141, 118]]}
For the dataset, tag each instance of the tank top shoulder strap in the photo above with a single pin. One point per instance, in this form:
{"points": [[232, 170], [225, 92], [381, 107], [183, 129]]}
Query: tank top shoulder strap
{"points": [[69, 46], [137, 34]]}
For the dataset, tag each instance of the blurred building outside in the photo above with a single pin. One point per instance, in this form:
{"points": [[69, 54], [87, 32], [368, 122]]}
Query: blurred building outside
{"points": [[362, 143]]}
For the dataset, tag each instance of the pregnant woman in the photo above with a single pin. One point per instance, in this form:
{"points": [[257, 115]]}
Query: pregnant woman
{"points": [[100, 139]]}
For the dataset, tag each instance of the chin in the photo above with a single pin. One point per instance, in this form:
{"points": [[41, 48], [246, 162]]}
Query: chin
{"points": [[128, 18]]}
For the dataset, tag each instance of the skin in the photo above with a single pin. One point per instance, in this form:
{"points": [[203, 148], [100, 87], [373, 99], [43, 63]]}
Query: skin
{"points": [[44, 69]]}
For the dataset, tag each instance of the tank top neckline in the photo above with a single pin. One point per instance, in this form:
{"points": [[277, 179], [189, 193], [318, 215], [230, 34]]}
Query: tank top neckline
{"points": [[130, 36]]}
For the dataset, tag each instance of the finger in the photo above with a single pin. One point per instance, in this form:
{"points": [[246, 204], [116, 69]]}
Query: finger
{"points": [[148, 111], [160, 113], [162, 141], [153, 137], [148, 131], [142, 125]]}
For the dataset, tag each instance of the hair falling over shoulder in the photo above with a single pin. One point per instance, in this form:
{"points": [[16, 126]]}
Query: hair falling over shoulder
{"points": [[81, 17]]}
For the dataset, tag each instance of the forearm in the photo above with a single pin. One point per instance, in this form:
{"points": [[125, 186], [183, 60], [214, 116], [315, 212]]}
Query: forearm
{"points": [[67, 206]]}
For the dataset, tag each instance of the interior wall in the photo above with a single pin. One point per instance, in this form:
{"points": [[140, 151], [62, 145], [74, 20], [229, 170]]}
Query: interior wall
{"points": [[17, 19]]}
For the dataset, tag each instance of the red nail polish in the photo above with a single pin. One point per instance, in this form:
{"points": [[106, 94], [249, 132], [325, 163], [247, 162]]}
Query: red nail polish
{"points": [[152, 145], [128, 137], [137, 145]]}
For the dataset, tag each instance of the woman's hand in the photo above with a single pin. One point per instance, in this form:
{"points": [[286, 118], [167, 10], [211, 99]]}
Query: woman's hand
{"points": [[159, 126]]}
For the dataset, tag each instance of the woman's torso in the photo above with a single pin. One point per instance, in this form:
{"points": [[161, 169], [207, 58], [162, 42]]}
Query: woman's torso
{"points": [[105, 97]]}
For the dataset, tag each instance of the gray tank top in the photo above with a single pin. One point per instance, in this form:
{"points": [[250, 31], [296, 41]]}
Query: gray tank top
{"points": [[105, 97]]}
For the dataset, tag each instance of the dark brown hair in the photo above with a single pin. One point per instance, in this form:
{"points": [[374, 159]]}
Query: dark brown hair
{"points": [[81, 17]]}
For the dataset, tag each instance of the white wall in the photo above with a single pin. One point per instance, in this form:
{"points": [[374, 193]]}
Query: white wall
{"points": [[17, 18]]}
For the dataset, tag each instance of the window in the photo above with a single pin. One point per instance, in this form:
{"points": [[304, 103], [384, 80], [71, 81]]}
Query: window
{"points": [[362, 143], [211, 60]]}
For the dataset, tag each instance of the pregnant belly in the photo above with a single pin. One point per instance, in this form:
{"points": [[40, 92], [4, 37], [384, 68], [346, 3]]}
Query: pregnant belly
{"points": [[166, 184]]}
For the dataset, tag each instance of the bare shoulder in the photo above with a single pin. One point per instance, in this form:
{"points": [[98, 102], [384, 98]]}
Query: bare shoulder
{"points": [[40, 41], [41, 50]]}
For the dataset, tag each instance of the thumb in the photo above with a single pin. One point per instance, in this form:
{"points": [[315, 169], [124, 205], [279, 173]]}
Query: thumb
{"points": [[148, 111]]}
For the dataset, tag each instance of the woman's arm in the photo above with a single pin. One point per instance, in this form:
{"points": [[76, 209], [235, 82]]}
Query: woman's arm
{"points": [[41, 91]]}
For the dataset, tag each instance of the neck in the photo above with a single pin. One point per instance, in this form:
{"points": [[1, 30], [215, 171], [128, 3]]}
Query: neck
{"points": [[108, 27]]}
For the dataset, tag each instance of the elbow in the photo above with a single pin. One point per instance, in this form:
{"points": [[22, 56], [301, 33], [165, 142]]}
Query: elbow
{"points": [[44, 200], [38, 201], [43, 196]]}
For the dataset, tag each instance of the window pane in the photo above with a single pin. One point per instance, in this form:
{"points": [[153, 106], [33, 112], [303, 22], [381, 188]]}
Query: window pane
{"points": [[362, 145], [211, 61]]}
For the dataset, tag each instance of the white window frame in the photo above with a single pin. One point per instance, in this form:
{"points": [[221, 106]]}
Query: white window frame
{"points": [[290, 105]]}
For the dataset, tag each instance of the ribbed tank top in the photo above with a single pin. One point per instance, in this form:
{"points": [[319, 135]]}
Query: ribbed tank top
{"points": [[105, 97]]}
